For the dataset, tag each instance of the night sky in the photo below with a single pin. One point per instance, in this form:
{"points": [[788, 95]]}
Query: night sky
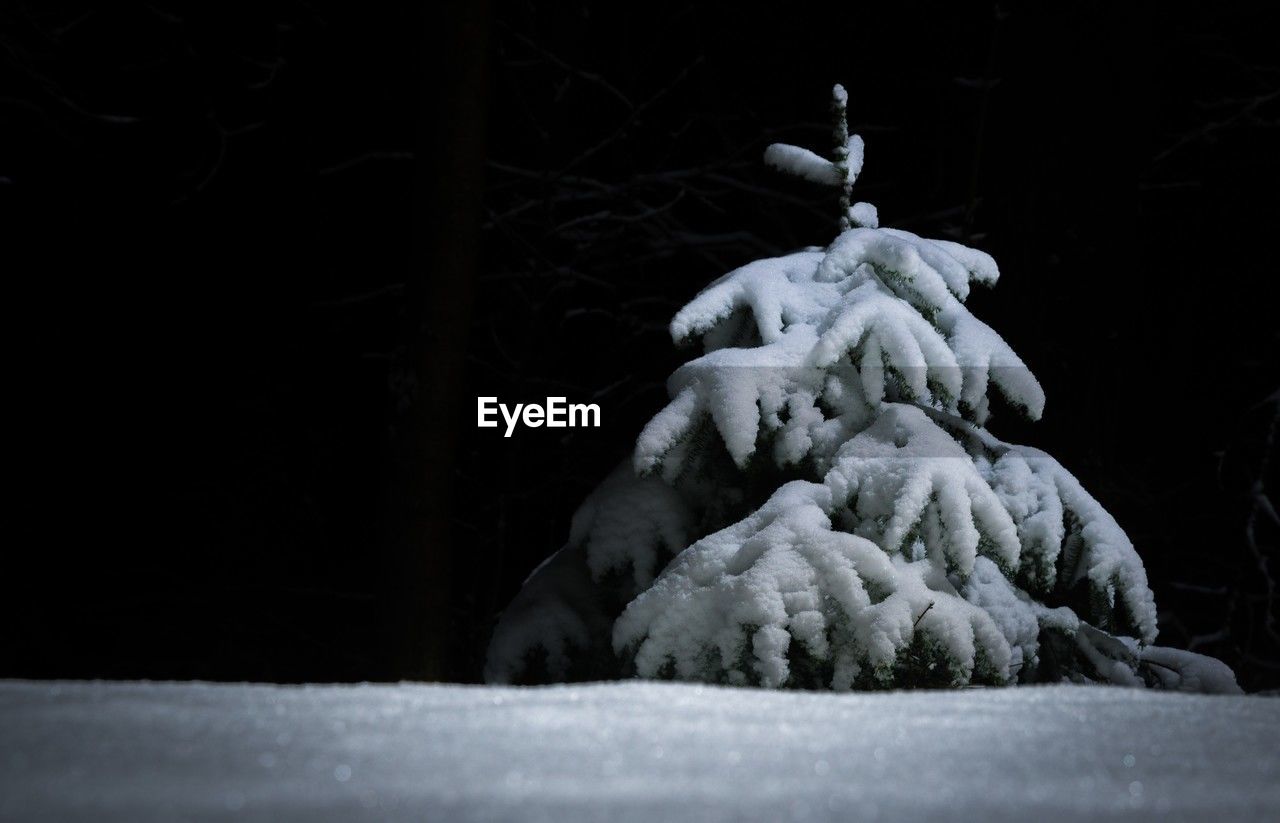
{"points": [[260, 264]]}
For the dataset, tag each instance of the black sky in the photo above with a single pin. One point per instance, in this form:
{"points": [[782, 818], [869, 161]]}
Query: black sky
{"points": [[217, 222]]}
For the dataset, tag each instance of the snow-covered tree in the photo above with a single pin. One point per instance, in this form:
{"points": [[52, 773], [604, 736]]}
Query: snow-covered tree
{"points": [[820, 504]]}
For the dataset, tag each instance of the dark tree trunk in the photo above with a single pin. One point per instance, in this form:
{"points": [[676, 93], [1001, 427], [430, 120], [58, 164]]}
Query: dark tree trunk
{"points": [[439, 297]]}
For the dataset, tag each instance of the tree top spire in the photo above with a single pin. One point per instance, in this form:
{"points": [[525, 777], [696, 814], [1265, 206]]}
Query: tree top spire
{"points": [[841, 171]]}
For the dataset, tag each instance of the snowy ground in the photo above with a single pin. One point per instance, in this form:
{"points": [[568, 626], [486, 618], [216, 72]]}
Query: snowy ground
{"points": [[629, 751]]}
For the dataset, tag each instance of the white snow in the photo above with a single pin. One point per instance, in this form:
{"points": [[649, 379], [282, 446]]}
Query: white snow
{"points": [[631, 751], [840, 96], [631, 525], [1037, 491], [861, 367], [914, 540], [905, 475], [808, 165], [1189, 671], [740, 600], [889, 299], [855, 151], [864, 215], [881, 555], [802, 163], [777, 332]]}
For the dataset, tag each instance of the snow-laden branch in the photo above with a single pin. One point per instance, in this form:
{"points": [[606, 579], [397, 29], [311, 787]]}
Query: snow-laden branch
{"points": [[783, 598], [917, 549]]}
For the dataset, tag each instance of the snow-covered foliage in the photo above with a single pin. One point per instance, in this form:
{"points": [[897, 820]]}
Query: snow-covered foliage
{"points": [[911, 488], [802, 163], [834, 512], [557, 627], [555, 620], [782, 598]]}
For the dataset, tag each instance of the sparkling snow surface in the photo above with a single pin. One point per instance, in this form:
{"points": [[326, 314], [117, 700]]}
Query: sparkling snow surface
{"points": [[630, 751]]}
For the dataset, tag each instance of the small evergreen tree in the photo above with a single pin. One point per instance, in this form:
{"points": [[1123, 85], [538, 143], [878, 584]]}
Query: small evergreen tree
{"points": [[820, 505]]}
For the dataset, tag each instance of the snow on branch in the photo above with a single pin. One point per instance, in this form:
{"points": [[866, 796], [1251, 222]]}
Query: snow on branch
{"points": [[842, 171], [914, 549], [803, 164], [782, 598]]}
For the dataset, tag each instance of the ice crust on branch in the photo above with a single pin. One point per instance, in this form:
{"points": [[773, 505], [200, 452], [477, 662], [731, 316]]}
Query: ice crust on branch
{"points": [[915, 549]]}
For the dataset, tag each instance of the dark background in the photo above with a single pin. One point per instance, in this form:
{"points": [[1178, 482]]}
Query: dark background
{"points": [[259, 263]]}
